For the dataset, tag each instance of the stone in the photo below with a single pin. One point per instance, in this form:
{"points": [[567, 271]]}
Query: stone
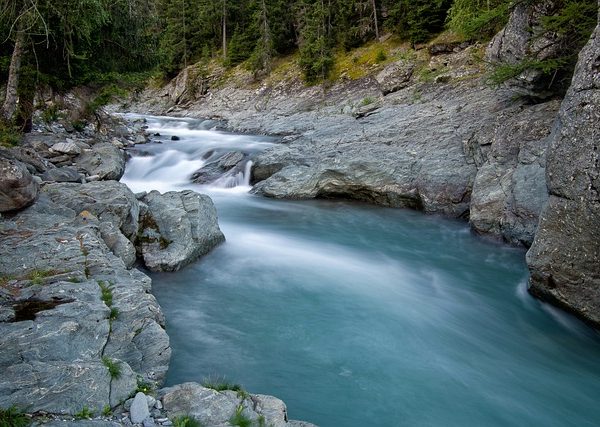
{"points": [[64, 174], [104, 160], [148, 422], [140, 139], [66, 148], [395, 76], [214, 169], [17, 187], [176, 229], [564, 260], [139, 409]]}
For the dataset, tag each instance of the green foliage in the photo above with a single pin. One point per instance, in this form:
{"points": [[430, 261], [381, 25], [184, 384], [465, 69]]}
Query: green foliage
{"points": [[239, 419], [107, 411], [221, 385], [186, 421], [381, 56], [478, 19], [13, 417], [366, 101], [144, 386], [50, 114], [505, 72], [78, 125], [10, 135], [85, 414], [316, 53], [106, 293], [114, 313], [114, 367], [417, 20], [37, 276], [105, 96]]}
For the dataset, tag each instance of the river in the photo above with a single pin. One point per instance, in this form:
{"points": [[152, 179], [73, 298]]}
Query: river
{"points": [[361, 316]]}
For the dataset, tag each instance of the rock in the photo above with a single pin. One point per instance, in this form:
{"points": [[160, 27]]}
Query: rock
{"points": [[139, 408], [140, 139], [395, 76], [148, 422], [510, 186], [28, 156], [110, 201], [176, 229], [118, 243], [66, 148], [175, 138], [57, 349], [213, 408], [215, 169], [564, 259], [64, 174], [104, 160], [295, 423], [17, 187], [524, 38]]}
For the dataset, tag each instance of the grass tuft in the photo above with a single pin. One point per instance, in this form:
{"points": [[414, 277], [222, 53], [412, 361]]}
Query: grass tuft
{"points": [[186, 421], [85, 414], [114, 367], [239, 419]]}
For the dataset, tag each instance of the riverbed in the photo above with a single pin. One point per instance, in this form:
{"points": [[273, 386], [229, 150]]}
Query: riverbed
{"points": [[361, 316]]}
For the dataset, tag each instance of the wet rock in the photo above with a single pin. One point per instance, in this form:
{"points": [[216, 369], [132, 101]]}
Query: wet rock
{"points": [[564, 259], [215, 169], [139, 408], [104, 160], [28, 156], [176, 229], [18, 189]]}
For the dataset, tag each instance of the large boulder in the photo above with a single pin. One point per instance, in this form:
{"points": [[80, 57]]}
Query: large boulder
{"points": [[176, 228], [103, 160], [18, 189], [214, 169], [564, 259]]}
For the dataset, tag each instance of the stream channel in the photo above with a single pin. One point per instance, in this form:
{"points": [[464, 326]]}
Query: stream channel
{"points": [[361, 316]]}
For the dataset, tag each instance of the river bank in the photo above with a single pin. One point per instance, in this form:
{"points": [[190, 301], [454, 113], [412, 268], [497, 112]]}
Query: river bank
{"points": [[81, 332]]}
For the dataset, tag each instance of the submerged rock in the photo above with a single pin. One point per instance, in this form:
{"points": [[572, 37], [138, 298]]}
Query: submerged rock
{"points": [[176, 228], [564, 259], [213, 170], [18, 189]]}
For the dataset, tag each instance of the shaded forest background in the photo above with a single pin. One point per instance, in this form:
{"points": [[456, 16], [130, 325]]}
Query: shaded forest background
{"points": [[66, 43]]}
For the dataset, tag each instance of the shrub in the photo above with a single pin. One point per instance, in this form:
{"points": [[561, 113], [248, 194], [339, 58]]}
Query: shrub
{"points": [[239, 419], [85, 414], [186, 421], [13, 417]]}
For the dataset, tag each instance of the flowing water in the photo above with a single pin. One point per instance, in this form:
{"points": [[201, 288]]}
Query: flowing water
{"points": [[362, 316]]}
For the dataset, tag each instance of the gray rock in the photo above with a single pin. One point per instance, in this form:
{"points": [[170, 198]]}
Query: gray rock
{"points": [[57, 346], [104, 160], [140, 139], [66, 148], [524, 38], [64, 174], [28, 156], [118, 243], [139, 408], [110, 201], [295, 423], [395, 76], [79, 423], [177, 228], [148, 422], [214, 169], [564, 259], [510, 186], [17, 187]]}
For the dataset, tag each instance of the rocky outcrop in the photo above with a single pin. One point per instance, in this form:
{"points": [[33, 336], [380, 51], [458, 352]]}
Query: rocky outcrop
{"points": [[214, 169], [217, 408], [80, 326], [17, 187], [510, 189], [176, 228], [564, 259], [524, 39]]}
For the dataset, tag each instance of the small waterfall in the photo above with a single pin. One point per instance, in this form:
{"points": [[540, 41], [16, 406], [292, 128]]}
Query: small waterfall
{"points": [[183, 153]]}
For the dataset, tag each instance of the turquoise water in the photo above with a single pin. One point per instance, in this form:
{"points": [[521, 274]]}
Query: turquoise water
{"points": [[364, 316]]}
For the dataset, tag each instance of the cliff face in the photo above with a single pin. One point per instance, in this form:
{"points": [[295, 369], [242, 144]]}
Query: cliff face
{"points": [[565, 257]]}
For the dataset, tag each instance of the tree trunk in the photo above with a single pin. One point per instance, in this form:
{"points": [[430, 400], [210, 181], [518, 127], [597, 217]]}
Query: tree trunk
{"points": [[224, 29], [10, 101], [375, 19]]}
